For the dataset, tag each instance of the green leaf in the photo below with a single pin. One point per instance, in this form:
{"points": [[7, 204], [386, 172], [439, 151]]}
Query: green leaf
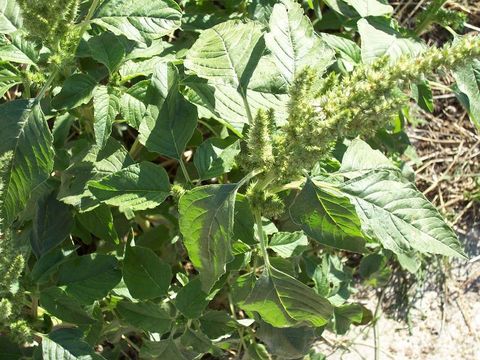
{"points": [[63, 306], [215, 157], [282, 301], [91, 163], [370, 7], [99, 222], [360, 157], [12, 51], [293, 42], [106, 107], [164, 349], [9, 77], [77, 90], [422, 94], [377, 43], [107, 49], [468, 82], [137, 187], [328, 216], [145, 274], [216, 324], [287, 343], [67, 344], [10, 17], [168, 131], [132, 103], [344, 316], [227, 53], [394, 212], [287, 244], [146, 316], [52, 224], [206, 222], [183, 301], [138, 20], [89, 277], [26, 156]]}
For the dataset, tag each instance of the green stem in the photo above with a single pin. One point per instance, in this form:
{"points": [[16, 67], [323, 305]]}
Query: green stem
{"points": [[262, 239], [135, 149], [247, 106], [184, 170], [45, 87]]}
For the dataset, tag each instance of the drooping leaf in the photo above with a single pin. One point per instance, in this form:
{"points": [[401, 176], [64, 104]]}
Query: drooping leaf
{"points": [[145, 274], [138, 20], [146, 316], [106, 106], [328, 216], [215, 157], [164, 349], [76, 90], [14, 51], [395, 213], [293, 42], [422, 94], [89, 277], [344, 316], [377, 43], [287, 244], [468, 82], [65, 307], [26, 156], [282, 301], [206, 222], [52, 223], [137, 187], [9, 77], [168, 130], [107, 49]]}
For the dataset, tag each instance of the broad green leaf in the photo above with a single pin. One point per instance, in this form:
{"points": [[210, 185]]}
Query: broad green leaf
{"points": [[92, 163], [63, 306], [215, 157], [328, 216], [99, 222], [10, 16], [133, 103], [348, 50], [107, 49], [145, 274], [48, 263], [89, 277], [106, 107], [9, 77], [468, 82], [52, 224], [67, 344], [377, 43], [287, 343], [344, 316], [394, 212], [216, 324], [77, 90], [132, 69], [227, 53], [146, 316], [293, 42], [159, 350], [287, 244], [26, 156], [206, 222], [422, 94], [224, 102], [194, 342], [183, 301], [168, 131], [12, 51], [360, 157], [282, 301], [137, 187], [139, 20], [370, 7]]}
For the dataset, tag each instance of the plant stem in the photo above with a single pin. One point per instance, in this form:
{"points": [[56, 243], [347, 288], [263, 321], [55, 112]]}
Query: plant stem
{"points": [[247, 107], [45, 87], [430, 13], [184, 170], [376, 315], [135, 149], [261, 238]]}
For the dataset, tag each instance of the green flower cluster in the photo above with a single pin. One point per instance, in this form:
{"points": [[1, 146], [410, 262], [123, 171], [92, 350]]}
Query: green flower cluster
{"points": [[323, 110], [50, 22]]}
